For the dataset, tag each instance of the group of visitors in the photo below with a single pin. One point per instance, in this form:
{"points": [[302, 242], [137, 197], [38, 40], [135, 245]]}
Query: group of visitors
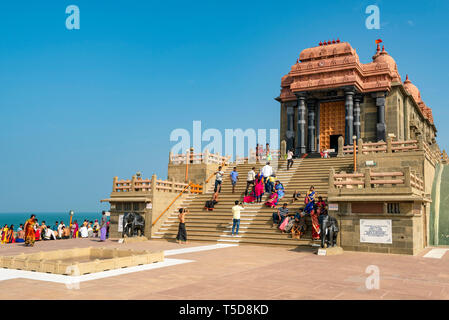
{"points": [[32, 231], [315, 209]]}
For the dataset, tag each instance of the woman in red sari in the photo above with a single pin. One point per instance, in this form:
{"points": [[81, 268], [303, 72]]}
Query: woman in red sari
{"points": [[315, 224], [30, 233], [273, 201]]}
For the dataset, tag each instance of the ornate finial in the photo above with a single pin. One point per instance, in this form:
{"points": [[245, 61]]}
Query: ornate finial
{"points": [[378, 48], [333, 41], [320, 44], [406, 77], [383, 48], [329, 42], [297, 60], [338, 40]]}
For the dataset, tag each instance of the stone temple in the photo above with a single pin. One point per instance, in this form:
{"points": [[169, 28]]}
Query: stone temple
{"points": [[383, 182], [328, 93]]}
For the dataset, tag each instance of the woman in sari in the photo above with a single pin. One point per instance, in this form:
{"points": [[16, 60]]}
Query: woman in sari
{"points": [[315, 225], [103, 226], [280, 189], [272, 202], [10, 235], [310, 200], [252, 196], [4, 233], [30, 233], [258, 188]]}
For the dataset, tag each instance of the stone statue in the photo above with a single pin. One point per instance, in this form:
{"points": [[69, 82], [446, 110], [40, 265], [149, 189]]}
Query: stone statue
{"points": [[133, 224], [329, 231]]}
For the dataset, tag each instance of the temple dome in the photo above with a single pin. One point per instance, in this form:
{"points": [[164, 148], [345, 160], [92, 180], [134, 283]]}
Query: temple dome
{"points": [[384, 57], [412, 89]]}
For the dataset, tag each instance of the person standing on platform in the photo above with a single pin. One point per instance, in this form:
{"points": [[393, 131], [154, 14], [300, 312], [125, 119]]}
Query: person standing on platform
{"points": [[236, 217], [289, 159], [266, 171], [103, 226], [30, 233], [234, 178], [182, 232]]}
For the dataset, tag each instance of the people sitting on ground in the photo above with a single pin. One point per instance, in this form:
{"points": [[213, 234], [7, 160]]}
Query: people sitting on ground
{"points": [[210, 204], [20, 235], [49, 234], [298, 228], [90, 230], [10, 235], [60, 226], [273, 200], [279, 216], [65, 234], [296, 196], [279, 187], [96, 228], [37, 231], [289, 226], [83, 231], [269, 185], [252, 196]]}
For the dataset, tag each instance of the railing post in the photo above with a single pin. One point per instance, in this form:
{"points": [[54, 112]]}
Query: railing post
{"points": [[331, 179], [153, 183], [389, 145], [367, 178], [170, 157], [407, 176], [206, 156], [341, 143], [192, 152], [173, 185], [114, 184], [360, 146], [420, 143], [133, 183]]}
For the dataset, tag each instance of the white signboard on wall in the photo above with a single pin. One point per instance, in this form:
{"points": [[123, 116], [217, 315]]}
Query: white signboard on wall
{"points": [[120, 223], [333, 206], [376, 231]]}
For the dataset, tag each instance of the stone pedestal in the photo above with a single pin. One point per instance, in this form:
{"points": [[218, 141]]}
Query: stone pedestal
{"points": [[332, 251]]}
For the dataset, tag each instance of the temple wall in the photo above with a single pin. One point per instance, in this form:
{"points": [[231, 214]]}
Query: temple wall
{"points": [[198, 172], [368, 119]]}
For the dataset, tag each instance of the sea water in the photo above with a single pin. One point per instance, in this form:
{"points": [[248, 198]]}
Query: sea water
{"points": [[49, 217]]}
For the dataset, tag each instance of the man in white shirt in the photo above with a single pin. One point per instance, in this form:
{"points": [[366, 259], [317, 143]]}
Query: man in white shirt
{"points": [[267, 171], [289, 159], [218, 179], [61, 224], [236, 217], [250, 179]]}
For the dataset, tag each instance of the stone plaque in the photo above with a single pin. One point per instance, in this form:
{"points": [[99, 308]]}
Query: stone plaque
{"points": [[333, 206], [376, 231]]}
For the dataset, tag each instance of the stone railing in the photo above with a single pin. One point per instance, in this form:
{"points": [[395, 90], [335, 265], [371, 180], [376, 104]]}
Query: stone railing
{"points": [[195, 158], [370, 179], [275, 155], [137, 184]]}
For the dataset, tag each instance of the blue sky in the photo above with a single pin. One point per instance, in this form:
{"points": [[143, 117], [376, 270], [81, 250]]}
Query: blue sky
{"points": [[78, 107]]}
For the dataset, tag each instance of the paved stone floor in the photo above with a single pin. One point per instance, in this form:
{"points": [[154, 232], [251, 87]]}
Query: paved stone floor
{"points": [[246, 272]]}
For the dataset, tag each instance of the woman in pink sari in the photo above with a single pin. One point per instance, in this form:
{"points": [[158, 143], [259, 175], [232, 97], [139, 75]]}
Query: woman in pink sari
{"points": [[251, 198], [258, 188], [272, 202]]}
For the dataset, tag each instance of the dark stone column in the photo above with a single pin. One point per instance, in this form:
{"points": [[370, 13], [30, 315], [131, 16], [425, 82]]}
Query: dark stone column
{"points": [[381, 126], [290, 134], [357, 124], [300, 143], [311, 125], [349, 119]]}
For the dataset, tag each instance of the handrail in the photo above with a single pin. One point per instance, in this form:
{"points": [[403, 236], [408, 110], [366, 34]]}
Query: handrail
{"points": [[171, 203], [210, 177]]}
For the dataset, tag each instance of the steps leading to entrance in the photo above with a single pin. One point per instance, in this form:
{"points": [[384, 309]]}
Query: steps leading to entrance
{"points": [[256, 220]]}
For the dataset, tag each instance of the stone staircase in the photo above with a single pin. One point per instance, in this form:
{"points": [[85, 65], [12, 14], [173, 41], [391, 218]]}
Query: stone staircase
{"points": [[256, 220]]}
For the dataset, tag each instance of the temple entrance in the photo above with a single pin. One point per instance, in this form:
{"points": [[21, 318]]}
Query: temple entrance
{"points": [[332, 124]]}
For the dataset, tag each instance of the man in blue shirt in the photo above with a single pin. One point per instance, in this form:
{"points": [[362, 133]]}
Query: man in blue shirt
{"points": [[234, 177]]}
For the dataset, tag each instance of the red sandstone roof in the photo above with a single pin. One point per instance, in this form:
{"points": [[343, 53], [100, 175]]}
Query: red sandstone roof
{"points": [[336, 64]]}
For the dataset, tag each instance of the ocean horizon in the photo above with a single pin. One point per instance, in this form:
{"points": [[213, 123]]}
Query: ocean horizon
{"points": [[17, 218]]}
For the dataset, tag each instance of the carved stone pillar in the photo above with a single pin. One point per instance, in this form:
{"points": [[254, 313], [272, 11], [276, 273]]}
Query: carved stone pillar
{"points": [[357, 124], [290, 133], [349, 118], [300, 141], [381, 126], [311, 126]]}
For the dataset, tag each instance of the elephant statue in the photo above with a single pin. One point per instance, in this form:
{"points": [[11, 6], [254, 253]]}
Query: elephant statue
{"points": [[329, 231], [133, 224]]}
